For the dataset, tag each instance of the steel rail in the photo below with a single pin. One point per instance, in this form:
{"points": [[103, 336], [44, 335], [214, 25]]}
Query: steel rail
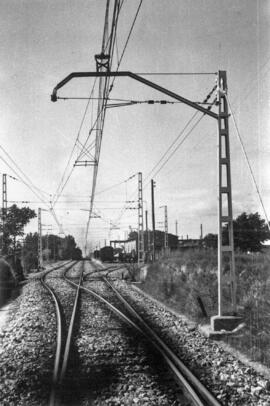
{"points": [[70, 329], [58, 351], [59, 344], [108, 269], [204, 392], [167, 355]]}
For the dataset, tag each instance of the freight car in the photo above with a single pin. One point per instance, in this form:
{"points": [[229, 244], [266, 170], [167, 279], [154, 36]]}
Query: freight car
{"points": [[106, 254]]}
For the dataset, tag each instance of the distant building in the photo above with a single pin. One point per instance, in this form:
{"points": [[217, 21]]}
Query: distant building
{"points": [[189, 243]]}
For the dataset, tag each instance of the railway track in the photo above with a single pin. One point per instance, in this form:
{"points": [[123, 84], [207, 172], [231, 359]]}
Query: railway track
{"points": [[103, 292], [196, 391], [62, 347], [124, 349]]}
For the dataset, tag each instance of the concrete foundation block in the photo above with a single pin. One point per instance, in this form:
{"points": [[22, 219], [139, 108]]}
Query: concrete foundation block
{"points": [[227, 323]]}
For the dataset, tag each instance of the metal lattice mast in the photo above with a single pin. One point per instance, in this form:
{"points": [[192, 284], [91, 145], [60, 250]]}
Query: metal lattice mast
{"points": [[148, 240], [103, 64], [40, 258], [140, 221], [166, 243], [225, 214], [4, 208]]}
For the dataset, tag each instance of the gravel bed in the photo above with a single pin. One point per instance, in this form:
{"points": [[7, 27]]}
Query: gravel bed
{"points": [[110, 363], [96, 269], [28, 342], [232, 382], [116, 365], [27, 346]]}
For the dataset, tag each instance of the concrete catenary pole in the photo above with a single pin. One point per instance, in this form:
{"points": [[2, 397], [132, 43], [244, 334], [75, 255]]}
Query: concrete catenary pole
{"points": [[140, 221], [153, 184], [225, 214], [40, 258]]}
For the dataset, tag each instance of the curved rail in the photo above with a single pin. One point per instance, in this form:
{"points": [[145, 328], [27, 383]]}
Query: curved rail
{"points": [[193, 386], [70, 329], [57, 375], [203, 391], [58, 351]]}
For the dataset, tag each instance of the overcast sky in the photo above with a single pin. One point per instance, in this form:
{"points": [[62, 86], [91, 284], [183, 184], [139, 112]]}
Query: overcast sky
{"points": [[42, 41]]}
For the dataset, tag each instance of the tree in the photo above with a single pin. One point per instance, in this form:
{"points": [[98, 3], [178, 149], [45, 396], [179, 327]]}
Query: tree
{"points": [[210, 240], [70, 250], [250, 231], [30, 251], [15, 219]]}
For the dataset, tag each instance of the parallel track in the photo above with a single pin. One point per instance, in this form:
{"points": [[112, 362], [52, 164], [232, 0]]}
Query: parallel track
{"points": [[196, 391]]}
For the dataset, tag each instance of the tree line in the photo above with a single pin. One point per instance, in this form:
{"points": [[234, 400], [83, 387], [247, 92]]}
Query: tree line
{"points": [[250, 231], [13, 247]]}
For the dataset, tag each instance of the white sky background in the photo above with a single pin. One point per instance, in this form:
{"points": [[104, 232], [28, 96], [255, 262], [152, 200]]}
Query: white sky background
{"points": [[42, 41]]}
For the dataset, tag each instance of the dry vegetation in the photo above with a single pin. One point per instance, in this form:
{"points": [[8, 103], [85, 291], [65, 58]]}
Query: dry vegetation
{"points": [[187, 281]]}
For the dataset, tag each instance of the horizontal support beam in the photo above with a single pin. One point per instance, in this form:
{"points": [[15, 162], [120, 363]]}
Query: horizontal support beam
{"points": [[135, 77]]}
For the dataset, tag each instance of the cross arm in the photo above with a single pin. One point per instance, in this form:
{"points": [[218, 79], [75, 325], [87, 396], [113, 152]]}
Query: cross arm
{"points": [[135, 77]]}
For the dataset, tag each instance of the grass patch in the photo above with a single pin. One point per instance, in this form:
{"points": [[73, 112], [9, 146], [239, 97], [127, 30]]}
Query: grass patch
{"points": [[188, 283]]}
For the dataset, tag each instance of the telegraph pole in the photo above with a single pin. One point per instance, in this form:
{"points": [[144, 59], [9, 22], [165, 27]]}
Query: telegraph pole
{"points": [[40, 258], [201, 235], [153, 184], [176, 228], [140, 221], [4, 209]]}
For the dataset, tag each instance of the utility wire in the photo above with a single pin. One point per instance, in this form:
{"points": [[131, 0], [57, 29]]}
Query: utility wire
{"points": [[178, 146], [57, 194], [173, 143], [126, 43], [248, 162], [20, 170], [24, 182], [30, 185], [101, 108], [116, 184]]}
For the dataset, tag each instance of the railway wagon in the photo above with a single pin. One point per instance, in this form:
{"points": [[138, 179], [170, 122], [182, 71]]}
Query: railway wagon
{"points": [[106, 254]]}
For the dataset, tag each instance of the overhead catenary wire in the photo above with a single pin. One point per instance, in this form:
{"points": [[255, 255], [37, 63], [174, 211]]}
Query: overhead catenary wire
{"points": [[145, 183], [56, 195], [101, 108], [37, 192], [22, 173], [247, 161], [126, 43], [29, 186]]}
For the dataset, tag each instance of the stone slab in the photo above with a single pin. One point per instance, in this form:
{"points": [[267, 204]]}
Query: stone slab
{"points": [[227, 323]]}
